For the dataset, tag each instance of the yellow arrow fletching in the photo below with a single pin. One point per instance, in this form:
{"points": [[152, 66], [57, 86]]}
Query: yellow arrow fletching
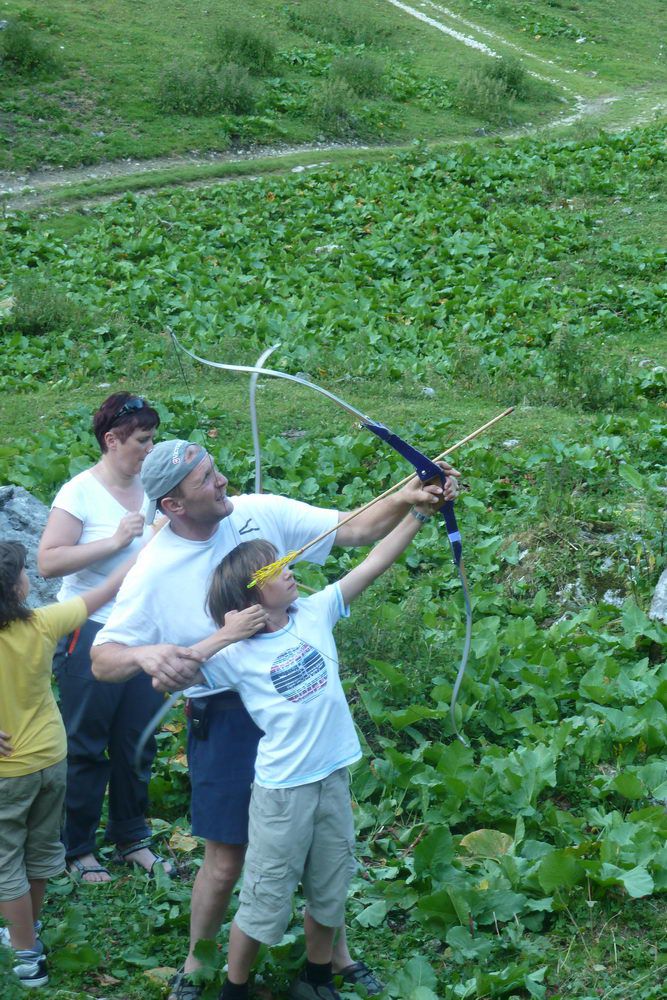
{"points": [[271, 571]]}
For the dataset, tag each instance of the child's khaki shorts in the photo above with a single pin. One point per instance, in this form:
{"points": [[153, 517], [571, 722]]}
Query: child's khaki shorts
{"points": [[303, 834], [31, 809]]}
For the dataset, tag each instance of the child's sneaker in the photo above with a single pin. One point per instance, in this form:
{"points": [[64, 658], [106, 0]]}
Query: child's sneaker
{"points": [[31, 968], [5, 939]]}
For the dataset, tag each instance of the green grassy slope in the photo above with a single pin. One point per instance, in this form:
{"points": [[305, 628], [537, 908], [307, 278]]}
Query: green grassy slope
{"points": [[501, 267], [619, 43], [99, 103]]}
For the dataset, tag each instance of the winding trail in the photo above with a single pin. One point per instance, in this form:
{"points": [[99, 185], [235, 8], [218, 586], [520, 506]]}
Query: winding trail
{"points": [[455, 25], [33, 190], [463, 22], [452, 32], [49, 179]]}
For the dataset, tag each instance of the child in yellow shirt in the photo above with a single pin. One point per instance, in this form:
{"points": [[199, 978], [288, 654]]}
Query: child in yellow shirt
{"points": [[33, 751]]}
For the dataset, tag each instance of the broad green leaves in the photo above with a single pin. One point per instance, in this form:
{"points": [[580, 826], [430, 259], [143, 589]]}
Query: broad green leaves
{"points": [[425, 263], [463, 265]]}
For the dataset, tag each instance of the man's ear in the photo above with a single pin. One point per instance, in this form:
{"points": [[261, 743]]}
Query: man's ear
{"points": [[171, 505]]}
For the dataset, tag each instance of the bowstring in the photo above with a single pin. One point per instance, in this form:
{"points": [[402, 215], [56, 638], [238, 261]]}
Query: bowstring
{"points": [[198, 421], [193, 406], [165, 708]]}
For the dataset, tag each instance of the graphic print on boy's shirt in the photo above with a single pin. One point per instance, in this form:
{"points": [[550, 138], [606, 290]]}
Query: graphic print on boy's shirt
{"points": [[300, 673]]}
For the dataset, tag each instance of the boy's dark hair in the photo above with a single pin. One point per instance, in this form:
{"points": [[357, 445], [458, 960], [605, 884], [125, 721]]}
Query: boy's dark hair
{"points": [[12, 561], [229, 585], [124, 412]]}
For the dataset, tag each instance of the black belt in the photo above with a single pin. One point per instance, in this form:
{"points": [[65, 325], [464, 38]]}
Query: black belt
{"points": [[199, 710]]}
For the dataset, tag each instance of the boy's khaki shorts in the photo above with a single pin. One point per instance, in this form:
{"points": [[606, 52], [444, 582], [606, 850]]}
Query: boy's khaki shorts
{"points": [[31, 809], [303, 834]]}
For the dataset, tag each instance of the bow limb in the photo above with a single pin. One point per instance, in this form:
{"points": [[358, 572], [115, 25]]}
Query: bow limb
{"points": [[425, 468], [148, 731], [457, 555], [449, 516], [252, 369], [464, 655], [253, 416], [428, 470]]}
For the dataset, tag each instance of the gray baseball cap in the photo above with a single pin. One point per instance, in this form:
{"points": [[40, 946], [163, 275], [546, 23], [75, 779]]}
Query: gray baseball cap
{"points": [[165, 467]]}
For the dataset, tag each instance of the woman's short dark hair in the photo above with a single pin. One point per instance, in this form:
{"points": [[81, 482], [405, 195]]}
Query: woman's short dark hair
{"points": [[12, 561], [229, 584], [123, 412]]}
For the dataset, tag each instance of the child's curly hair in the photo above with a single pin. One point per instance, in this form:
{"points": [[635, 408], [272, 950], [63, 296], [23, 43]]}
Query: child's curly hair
{"points": [[12, 561]]}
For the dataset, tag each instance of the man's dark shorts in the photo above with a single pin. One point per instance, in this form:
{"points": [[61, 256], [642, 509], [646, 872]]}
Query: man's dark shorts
{"points": [[222, 770]]}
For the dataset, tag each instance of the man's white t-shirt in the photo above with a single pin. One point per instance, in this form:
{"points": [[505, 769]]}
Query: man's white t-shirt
{"points": [[85, 498], [163, 597], [289, 683]]}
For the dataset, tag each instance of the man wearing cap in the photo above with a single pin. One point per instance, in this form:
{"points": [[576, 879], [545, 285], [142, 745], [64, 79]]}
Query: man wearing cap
{"points": [[160, 612]]}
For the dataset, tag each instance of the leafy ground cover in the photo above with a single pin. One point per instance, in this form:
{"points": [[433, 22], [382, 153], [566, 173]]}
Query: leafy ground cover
{"points": [[143, 80], [432, 290], [507, 268]]}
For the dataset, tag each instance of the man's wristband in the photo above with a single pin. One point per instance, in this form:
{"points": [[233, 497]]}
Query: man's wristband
{"points": [[422, 518]]}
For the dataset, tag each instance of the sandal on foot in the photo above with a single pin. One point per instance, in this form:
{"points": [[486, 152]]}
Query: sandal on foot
{"points": [[358, 974], [122, 855], [78, 870], [182, 988]]}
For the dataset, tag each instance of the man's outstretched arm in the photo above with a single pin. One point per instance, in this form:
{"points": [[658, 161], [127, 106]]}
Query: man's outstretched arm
{"points": [[171, 667], [382, 517]]}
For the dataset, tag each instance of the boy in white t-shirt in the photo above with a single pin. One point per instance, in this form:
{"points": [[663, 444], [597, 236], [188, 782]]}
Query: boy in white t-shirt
{"points": [[301, 827]]}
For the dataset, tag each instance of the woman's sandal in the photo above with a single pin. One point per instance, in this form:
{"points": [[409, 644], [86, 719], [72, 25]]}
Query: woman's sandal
{"points": [[121, 855], [358, 974], [78, 870]]}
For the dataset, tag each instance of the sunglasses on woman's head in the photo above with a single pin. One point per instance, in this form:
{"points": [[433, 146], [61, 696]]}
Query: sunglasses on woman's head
{"points": [[130, 407]]}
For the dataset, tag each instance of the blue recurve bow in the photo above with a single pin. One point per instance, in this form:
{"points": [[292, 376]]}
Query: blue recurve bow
{"points": [[425, 468]]}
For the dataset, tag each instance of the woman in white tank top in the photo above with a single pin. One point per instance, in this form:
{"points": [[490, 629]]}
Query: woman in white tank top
{"points": [[96, 521]]}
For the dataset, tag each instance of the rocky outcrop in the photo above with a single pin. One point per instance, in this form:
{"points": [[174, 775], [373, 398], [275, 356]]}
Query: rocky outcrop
{"points": [[22, 519], [659, 603]]}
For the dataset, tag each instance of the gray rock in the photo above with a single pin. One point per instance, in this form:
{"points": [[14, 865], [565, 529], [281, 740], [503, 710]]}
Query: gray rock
{"points": [[659, 603], [22, 519], [613, 597]]}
